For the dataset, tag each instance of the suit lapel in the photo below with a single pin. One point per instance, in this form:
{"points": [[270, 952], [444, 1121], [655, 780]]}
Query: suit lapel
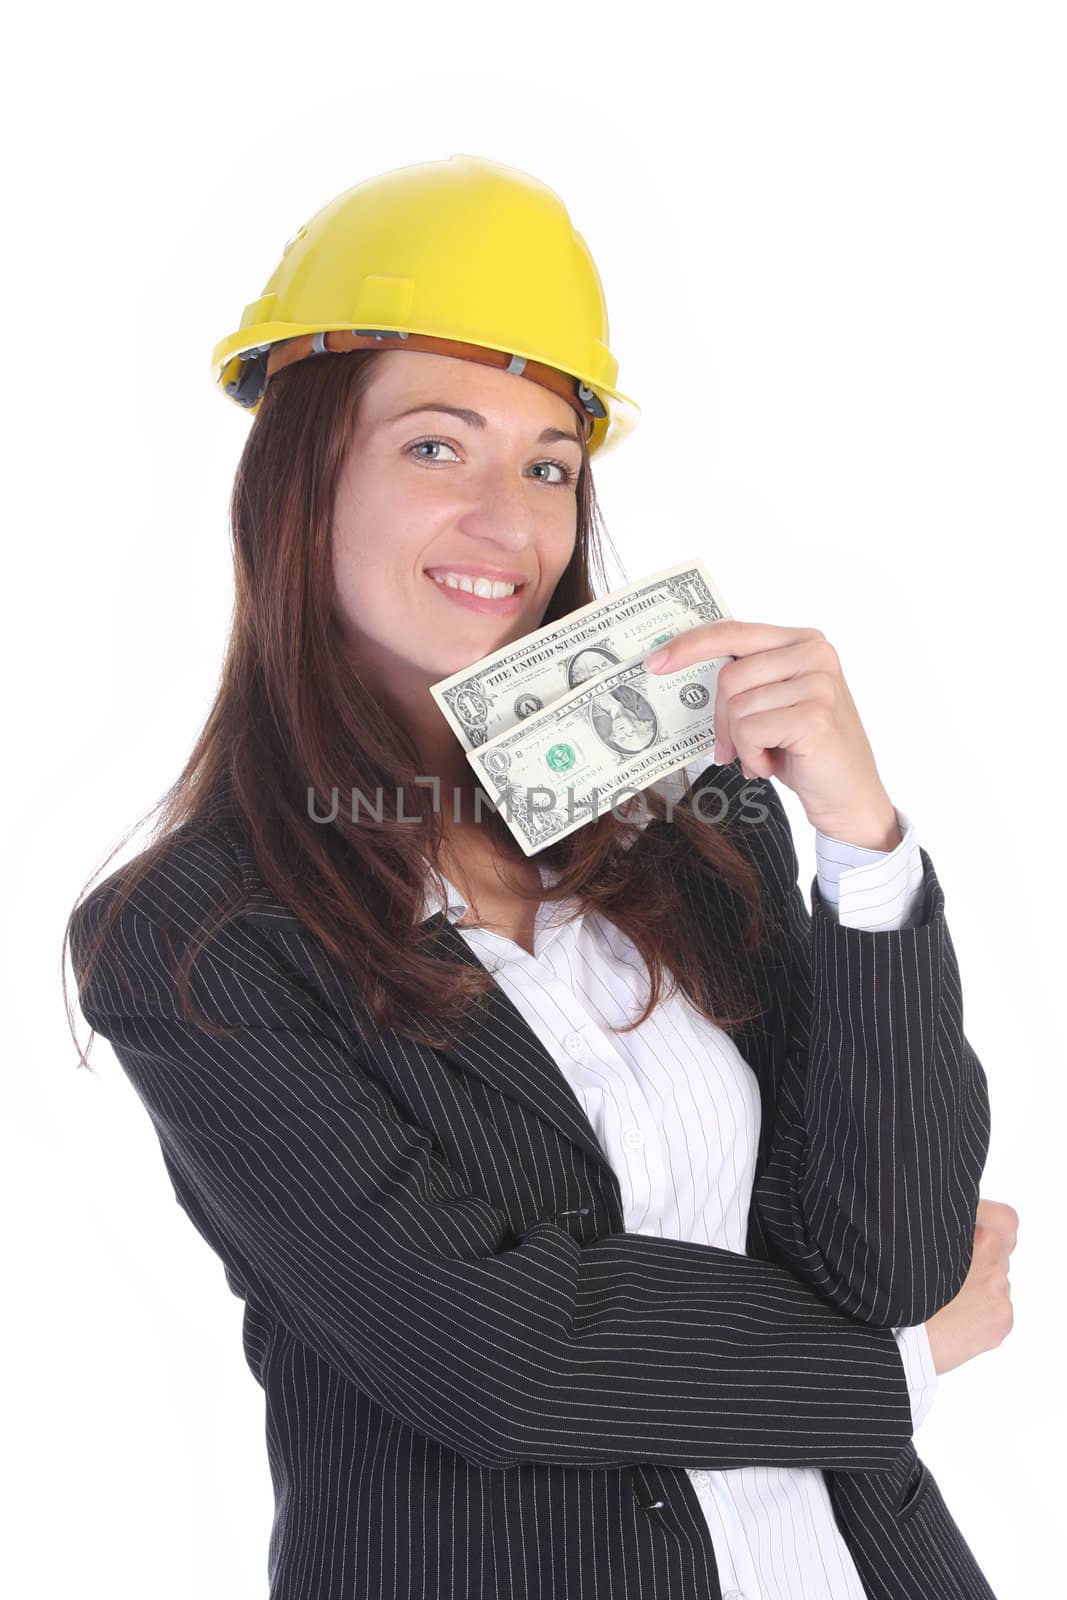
{"points": [[500, 1047]]}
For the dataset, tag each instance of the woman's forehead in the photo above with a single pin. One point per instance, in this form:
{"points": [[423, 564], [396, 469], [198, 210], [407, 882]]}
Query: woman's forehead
{"points": [[406, 378]]}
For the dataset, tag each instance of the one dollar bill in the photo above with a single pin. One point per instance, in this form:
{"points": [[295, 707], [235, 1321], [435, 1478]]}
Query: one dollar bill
{"points": [[565, 722]]}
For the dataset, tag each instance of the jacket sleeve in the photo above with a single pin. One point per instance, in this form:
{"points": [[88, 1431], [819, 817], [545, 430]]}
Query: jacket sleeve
{"points": [[870, 1194], [339, 1215]]}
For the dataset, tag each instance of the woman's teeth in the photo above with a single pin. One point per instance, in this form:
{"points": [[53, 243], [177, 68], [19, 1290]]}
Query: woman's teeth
{"points": [[482, 586]]}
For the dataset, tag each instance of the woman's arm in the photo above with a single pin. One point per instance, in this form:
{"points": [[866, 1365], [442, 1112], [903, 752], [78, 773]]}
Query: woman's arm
{"points": [[340, 1217], [883, 1122]]}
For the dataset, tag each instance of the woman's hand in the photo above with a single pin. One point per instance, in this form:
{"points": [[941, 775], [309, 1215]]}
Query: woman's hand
{"points": [[783, 706], [980, 1317]]}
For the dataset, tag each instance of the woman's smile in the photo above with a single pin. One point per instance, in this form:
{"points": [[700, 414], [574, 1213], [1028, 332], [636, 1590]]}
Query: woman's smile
{"points": [[502, 606]]}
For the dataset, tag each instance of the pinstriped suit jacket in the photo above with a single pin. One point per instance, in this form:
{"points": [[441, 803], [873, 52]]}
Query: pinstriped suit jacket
{"points": [[477, 1383]]}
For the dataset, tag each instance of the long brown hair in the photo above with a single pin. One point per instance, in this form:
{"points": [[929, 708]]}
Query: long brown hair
{"points": [[292, 724]]}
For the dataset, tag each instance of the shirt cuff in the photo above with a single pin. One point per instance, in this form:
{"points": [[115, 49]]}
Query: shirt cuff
{"points": [[919, 1370], [880, 890]]}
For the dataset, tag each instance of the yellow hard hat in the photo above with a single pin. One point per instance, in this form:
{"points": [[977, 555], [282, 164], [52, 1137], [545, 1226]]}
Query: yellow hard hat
{"points": [[460, 257]]}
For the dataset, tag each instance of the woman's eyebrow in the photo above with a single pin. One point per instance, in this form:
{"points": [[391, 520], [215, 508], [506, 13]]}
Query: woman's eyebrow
{"points": [[476, 420]]}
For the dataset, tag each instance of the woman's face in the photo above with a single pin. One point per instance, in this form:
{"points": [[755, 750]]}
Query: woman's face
{"points": [[489, 498]]}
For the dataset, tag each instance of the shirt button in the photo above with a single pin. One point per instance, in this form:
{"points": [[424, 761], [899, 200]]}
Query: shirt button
{"points": [[733, 1594], [575, 1044], [634, 1138]]}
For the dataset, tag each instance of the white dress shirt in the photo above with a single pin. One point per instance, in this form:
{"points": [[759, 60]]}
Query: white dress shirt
{"points": [[677, 1112]]}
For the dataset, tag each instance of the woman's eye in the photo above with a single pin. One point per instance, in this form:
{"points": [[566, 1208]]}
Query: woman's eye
{"points": [[420, 442], [567, 477], [561, 467]]}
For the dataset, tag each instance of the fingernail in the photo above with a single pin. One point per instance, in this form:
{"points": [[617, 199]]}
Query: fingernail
{"points": [[657, 658]]}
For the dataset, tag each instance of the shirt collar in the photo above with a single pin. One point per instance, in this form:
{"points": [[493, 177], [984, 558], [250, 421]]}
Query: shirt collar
{"points": [[454, 906]]}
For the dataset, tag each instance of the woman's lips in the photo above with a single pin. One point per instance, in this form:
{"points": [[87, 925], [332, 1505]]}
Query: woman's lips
{"points": [[507, 607]]}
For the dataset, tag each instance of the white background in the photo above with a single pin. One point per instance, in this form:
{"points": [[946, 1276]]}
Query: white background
{"points": [[832, 239]]}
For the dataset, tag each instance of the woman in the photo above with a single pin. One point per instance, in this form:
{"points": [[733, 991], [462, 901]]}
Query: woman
{"points": [[602, 1219]]}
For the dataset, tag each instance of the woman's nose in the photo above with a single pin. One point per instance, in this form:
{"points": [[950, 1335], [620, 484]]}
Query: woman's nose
{"points": [[501, 515]]}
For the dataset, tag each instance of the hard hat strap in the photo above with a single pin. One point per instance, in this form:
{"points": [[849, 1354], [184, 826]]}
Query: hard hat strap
{"points": [[586, 404]]}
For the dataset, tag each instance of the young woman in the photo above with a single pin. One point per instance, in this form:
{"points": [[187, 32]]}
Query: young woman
{"points": [[602, 1219]]}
